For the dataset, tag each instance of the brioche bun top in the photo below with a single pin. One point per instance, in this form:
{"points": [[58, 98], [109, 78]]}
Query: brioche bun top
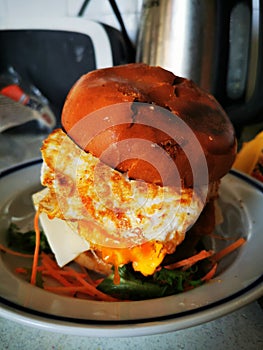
{"points": [[129, 84]]}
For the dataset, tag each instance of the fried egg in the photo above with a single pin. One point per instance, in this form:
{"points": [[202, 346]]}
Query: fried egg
{"points": [[125, 220]]}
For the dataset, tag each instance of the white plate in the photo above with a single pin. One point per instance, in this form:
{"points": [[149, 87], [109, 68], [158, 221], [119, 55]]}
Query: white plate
{"points": [[238, 283]]}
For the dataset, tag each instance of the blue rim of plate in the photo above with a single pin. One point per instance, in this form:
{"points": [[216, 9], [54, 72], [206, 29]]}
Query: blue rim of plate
{"points": [[177, 316]]}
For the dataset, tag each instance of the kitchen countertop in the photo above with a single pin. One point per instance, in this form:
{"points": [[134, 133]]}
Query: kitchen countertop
{"points": [[242, 329]]}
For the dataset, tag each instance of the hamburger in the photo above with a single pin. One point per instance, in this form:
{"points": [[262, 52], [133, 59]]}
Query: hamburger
{"points": [[132, 176]]}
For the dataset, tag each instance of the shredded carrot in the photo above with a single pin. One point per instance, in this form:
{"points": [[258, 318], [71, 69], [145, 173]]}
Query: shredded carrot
{"points": [[78, 289], [13, 252], [36, 252], [70, 280], [63, 289], [98, 281], [116, 278], [69, 272], [49, 261], [222, 253], [187, 263], [221, 238], [54, 273], [21, 270], [95, 292], [210, 274]]}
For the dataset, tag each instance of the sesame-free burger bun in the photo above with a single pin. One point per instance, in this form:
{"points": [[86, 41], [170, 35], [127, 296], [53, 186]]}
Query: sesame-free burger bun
{"points": [[158, 87]]}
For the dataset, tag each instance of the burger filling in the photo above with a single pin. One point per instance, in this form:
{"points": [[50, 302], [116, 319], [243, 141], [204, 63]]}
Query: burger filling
{"points": [[106, 214]]}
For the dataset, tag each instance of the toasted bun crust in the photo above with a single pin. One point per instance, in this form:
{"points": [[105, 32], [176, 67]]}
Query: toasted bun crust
{"points": [[152, 85]]}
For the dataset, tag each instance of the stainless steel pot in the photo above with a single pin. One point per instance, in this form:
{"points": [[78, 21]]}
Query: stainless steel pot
{"points": [[216, 43]]}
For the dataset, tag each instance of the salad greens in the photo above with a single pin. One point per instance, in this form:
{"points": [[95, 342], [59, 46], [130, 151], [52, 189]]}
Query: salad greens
{"points": [[24, 242], [135, 286]]}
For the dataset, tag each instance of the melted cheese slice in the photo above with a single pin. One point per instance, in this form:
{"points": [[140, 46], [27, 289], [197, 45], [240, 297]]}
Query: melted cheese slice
{"points": [[65, 243], [127, 220]]}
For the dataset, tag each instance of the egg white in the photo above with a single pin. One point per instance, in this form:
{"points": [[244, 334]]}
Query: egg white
{"points": [[86, 202]]}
